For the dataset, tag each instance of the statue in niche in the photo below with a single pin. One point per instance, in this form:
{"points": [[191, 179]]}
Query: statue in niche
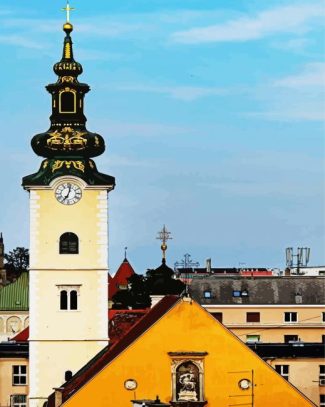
{"points": [[187, 386]]}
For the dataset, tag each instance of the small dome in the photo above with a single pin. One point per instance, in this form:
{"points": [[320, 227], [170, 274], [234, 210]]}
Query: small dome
{"points": [[67, 28]]}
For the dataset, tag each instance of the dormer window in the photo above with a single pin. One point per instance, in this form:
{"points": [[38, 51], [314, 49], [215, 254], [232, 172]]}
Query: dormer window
{"points": [[67, 102], [69, 243]]}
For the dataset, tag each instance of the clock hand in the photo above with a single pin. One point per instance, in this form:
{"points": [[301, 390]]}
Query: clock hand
{"points": [[67, 196]]}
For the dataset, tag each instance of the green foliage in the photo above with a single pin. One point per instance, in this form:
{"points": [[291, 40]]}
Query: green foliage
{"points": [[18, 259], [136, 296]]}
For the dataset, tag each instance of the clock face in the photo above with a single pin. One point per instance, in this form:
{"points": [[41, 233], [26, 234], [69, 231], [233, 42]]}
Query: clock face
{"points": [[130, 384], [68, 193]]}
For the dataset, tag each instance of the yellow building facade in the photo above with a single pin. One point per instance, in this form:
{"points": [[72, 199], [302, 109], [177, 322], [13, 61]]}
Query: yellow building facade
{"points": [[185, 339], [13, 381], [273, 323]]}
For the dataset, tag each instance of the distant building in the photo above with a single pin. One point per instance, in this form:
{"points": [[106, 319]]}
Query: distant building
{"points": [[308, 271], [120, 279], [14, 305], [188, 274], [281, 318]]}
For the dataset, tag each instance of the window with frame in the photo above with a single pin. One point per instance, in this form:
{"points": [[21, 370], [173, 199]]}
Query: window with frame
{"points": [[218, 316], [252, 317], [253, 338], [323, 316], [187, 377], [290, 338], [69, 243], [322, 400], [69, 297], [283, 370], [18, 400], [290, 317], [67, 102], [207, 294], [322, 375], [323, 338], [19, 375]]}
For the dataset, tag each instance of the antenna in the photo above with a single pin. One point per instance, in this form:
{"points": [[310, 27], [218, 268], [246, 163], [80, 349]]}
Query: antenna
{"points": [[302, 258], [289, 256]]}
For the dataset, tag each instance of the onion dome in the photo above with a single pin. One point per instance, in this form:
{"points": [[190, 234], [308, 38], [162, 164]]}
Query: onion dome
{"points": [[67, 145], [68, 135]]}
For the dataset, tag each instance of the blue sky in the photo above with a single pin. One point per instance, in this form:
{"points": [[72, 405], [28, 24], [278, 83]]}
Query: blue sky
{"points": [[213, 115]]}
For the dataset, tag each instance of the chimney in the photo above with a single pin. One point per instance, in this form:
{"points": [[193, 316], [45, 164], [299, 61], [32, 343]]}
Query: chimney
{"points": [[58, 396], [208, 265]]}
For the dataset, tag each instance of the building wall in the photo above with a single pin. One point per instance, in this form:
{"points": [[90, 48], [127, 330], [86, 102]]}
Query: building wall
{"points": [[272, 327], [304, 374], [11, 323], [7, 388], [185, 329], [62, 340]]}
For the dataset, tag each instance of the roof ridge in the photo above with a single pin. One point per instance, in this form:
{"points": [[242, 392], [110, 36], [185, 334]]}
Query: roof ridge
{"points": [[108, 354]]}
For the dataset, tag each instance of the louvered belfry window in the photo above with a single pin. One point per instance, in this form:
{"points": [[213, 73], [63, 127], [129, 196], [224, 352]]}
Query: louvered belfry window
{"points": [[69, 243]]}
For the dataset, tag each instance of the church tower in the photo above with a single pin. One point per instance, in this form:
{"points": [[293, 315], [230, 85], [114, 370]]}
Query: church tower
{"points": [[68, 237]]}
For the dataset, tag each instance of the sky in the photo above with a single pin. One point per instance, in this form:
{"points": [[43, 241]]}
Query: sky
{"points": [[213, 116]]}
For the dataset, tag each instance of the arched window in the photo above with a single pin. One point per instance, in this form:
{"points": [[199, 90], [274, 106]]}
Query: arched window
{"points": [[69, 243], [67, 102], [73, 300], [63, 300]]}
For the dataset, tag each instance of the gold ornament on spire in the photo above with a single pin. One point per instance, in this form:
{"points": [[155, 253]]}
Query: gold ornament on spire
{"points": [[68, 9], [164, 235]]}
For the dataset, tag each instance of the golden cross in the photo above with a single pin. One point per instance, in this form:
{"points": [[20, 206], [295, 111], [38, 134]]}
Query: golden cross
{"points": [[164, 235], [68, 9]]}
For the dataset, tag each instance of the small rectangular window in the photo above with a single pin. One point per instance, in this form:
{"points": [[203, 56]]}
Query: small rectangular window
{"points": [[323, 316], [207, 294], [236, 293], [322, 400], [217, 316], [253, 338], [322, 375], [323, 338], [252, 317], [290, 317], [283, 370], [290, 338], [18, 400], [19, 375]]}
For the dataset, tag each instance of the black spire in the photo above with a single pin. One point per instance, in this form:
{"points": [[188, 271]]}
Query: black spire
{"points": [[68, 145]]}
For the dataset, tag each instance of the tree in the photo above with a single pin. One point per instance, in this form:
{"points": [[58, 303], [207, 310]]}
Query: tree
{"points": [[17, 260], [135, 297]]}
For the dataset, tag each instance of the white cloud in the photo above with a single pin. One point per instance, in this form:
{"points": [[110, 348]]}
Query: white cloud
{"points": [[313, 75], [20, 41], [184, 93], [286, 19], [297, 97]]}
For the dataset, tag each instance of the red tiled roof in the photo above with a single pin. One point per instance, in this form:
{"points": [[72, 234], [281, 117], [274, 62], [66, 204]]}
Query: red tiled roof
{"points": [[120, 278], [22, 336], [109, 353], [121, 321]]}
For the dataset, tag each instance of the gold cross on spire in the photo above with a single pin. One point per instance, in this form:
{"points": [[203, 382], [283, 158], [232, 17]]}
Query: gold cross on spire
{"points": [[68, 9], [164, 235]]}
